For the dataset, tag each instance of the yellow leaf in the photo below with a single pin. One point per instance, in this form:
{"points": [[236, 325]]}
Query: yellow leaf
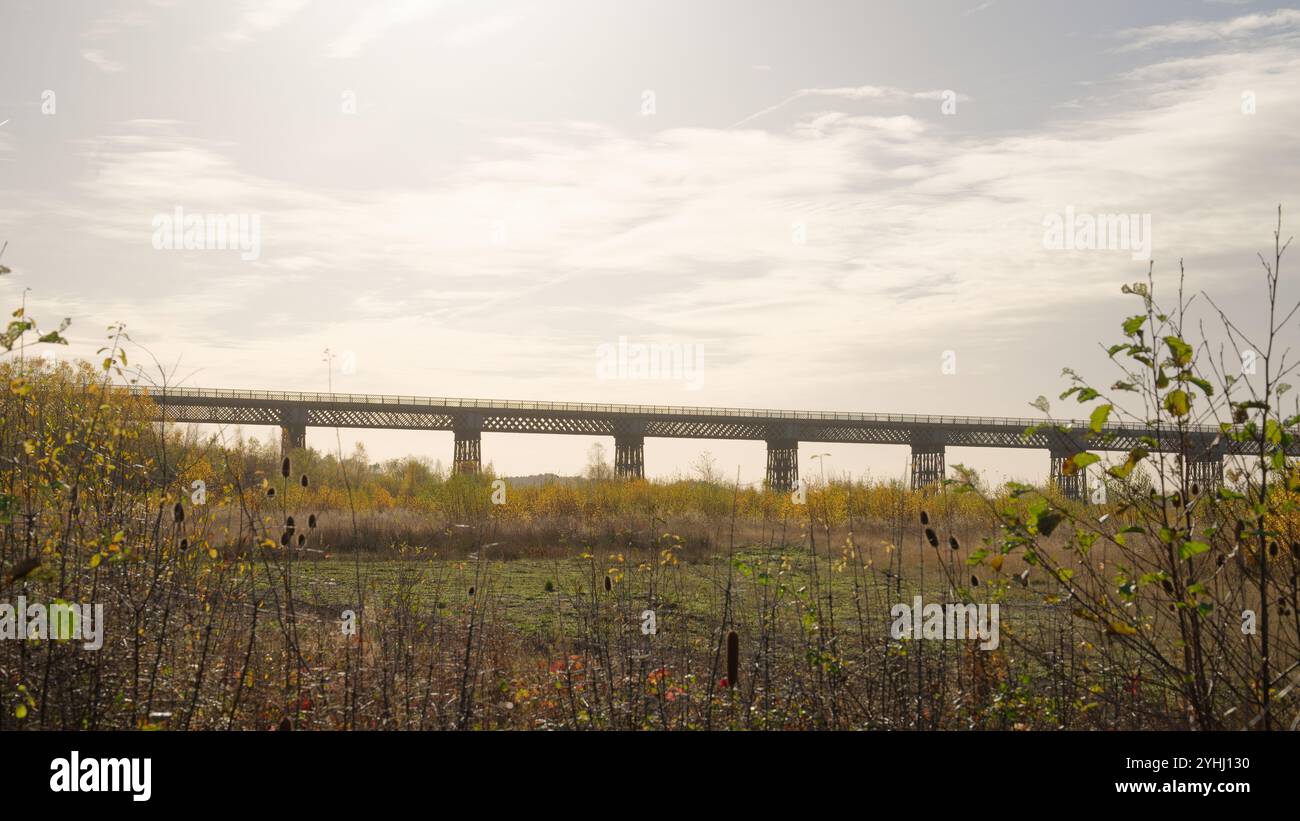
{"points": [[1122, 628], [996, 562], [96, 559], [21, 712]]}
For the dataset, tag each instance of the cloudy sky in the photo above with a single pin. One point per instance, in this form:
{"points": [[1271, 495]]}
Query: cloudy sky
{"points": [[830, 200]]}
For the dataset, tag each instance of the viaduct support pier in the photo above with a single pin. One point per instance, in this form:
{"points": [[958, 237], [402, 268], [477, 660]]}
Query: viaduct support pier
{"points": [[468, 453]]}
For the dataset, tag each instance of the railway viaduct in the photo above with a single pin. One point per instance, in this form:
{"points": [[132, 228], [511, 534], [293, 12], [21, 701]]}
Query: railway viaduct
{"points": [[928, 437]]}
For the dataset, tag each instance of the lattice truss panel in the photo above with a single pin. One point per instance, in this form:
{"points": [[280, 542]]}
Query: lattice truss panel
{"points": [[862, 434], [1008, 438], [581, 425], [220, 415], [701, 429], [407, 420]]}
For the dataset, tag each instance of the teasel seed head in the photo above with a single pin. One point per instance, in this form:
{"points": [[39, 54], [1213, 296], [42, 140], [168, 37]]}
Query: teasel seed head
{"points": [[733, 659]]}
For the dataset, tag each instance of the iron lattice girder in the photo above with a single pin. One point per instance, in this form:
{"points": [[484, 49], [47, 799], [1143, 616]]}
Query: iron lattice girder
{"points": [[258, 408]]}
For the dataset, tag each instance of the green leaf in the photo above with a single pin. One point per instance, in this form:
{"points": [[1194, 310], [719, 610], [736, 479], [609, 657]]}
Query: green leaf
{"points": [[1078, 462], [1134, 324], [1181, 351], [1134, 456], [1176, 402], [1206, 387], [1099, 416], [1190, 549], [1272, 432]]}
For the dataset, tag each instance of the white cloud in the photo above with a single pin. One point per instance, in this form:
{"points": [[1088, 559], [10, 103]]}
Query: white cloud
{"points": [[261, 16], [478, 31], [100, 61], [855, 94], [375, 21], [1282, 21]]}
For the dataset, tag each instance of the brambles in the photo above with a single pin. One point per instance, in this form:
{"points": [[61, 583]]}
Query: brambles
{"points": [[733, 659]]}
